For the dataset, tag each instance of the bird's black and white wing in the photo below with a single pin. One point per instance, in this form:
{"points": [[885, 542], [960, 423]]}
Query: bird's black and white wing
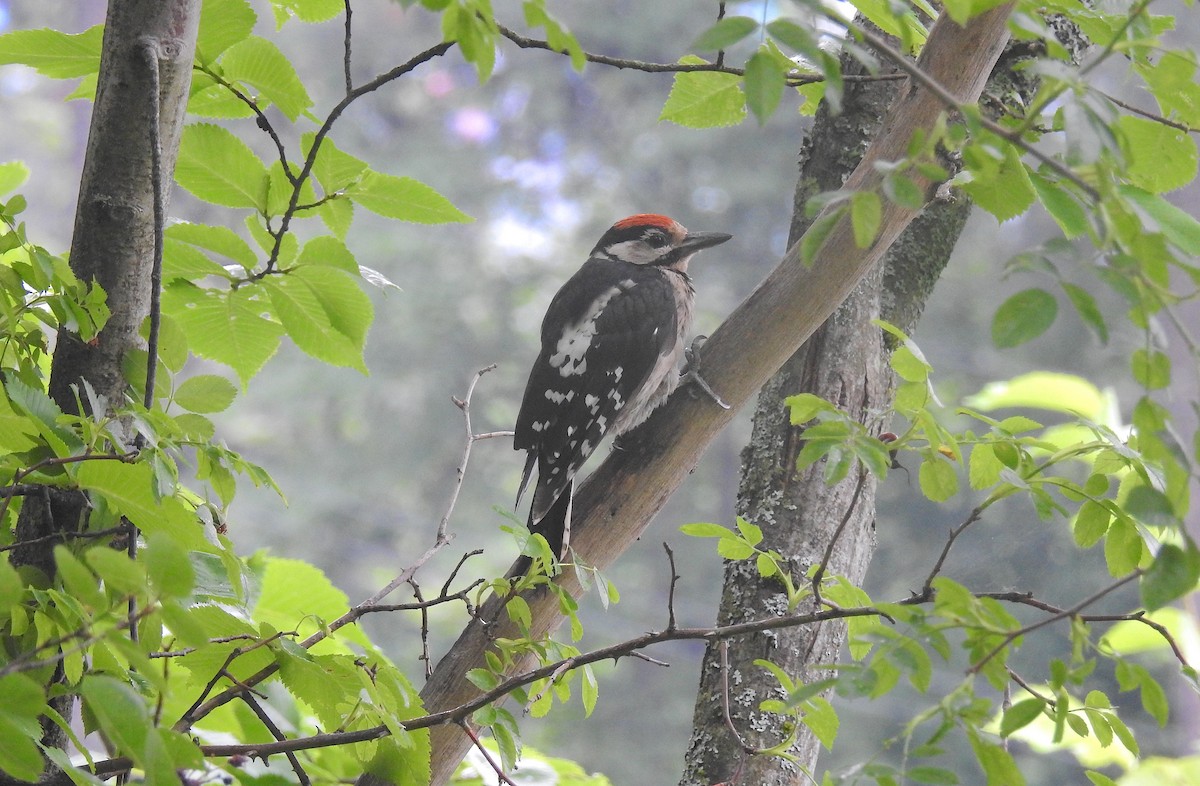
{"points": [[600, 342]]}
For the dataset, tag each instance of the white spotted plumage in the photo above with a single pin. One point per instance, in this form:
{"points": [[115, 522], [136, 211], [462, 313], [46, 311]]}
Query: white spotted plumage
{"points": [[612, 341]]}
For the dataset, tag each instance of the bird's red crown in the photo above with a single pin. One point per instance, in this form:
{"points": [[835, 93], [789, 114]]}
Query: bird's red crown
{"points": [[645, 219]]}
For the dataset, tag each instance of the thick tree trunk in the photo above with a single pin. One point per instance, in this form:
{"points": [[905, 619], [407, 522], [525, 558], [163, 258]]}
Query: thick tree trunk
{"points": [[845, 362], [618, 500], [113, 241]]}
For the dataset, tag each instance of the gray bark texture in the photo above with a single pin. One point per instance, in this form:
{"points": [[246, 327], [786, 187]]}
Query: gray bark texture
{"points": [[113, 241], [846, 363]]}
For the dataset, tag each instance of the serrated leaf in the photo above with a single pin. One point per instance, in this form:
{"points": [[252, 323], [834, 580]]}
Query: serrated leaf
{"points": [[1023, 317], [334, 168], [168, 566], [1002, 188], [325, 312], [764, 83], [118, 571], [130, 489], [225, 326], [704, 99], [78, 580], [725, 33], [822, 720], [405, 199], [1091, 524], [939, 481], [53, 53], [205, 393], [1160, 158], [258, 62], [216, 238], [328, 252], [223, 23], [1150, 506], [216, 166], [310, 11], [1122, 548]]}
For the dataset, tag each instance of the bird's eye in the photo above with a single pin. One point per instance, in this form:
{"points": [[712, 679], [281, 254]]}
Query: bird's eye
{"points": [[656, 238]]}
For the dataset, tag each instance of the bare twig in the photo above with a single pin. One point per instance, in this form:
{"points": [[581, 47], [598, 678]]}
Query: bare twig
{"points": [[495, 765], [819, 574], [346, 51], [464, 404], [927, 587], [266, 720], [674, 582]]}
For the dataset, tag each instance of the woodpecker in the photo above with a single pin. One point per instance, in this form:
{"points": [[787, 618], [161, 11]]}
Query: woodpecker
{"points": [[612, 341]]}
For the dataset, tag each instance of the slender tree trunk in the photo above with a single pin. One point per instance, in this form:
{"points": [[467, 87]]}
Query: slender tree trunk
{"points": [[145, 72]]}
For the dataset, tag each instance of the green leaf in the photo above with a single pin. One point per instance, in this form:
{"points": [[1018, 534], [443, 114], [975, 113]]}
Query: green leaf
{"points": [[997, 763], [258, 62], [120, 712], [725, 33], [329, 252], [405, 199], [1150, 506], [1020, 715], [218, 167], [54, 54], [1122, 548], [589, 690], [1062, 206], [706, 530], [1179, 227], [866, 212], [806, 406], [24, 701], [334, 168], [205, 393], [1089, 312], [13, 175], [1172, 575], [1160, 158], [939, 481], [130, 488], [1044, 390], [764, 82], [1003, 187], [1091, 524], [310, 11], [1023, 317], [1151, 369], [219, 239], [225, 326], [1099, 779], [325, 312], [704, 99], [984, 468], [934, 775], [814, 239], [734, 549], [168, 566], [963, 11], [118, 571], [821, 718], [78, 580], [223, 23]]}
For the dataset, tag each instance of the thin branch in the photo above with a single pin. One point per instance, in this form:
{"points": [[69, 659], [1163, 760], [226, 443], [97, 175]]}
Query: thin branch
{"points": [[746, 747], [266, 720], [464, 404], [674, 581], [524, 42], [148, 49], [1071, 612], [260, 119], [837, 533], [346, 51], [1148, 115], [927, 587], [101, 533], [495, 765]]}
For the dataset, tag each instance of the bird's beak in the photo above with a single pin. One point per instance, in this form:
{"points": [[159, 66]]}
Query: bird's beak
{"points": [[694, 241]]}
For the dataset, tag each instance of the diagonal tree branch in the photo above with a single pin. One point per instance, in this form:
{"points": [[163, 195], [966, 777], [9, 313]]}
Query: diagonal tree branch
{"points": [[617, 502]]}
